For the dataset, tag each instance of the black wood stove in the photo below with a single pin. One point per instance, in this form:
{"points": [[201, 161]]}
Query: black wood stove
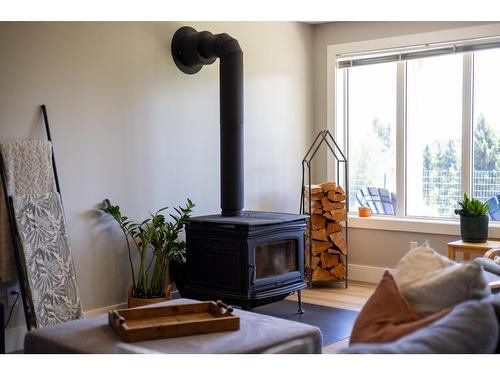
{"points": [[247, 258]]}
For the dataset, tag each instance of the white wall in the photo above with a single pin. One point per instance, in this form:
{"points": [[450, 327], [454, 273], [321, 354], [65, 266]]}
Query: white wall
{"points": [[130, 126], [368, 247]]}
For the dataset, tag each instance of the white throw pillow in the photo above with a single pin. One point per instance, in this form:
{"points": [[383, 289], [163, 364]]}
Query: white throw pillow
{"points": [[432, 282]]}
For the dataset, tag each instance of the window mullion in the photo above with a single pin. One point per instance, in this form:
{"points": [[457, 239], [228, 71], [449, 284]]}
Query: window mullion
{"points": [[345, 110], [467, 116], [401, 140]]}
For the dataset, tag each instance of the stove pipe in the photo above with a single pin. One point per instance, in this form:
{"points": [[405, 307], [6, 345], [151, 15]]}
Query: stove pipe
{"points": [[191, 50]]}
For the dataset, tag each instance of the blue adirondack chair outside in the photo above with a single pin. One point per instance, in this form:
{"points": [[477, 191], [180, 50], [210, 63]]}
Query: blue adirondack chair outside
{"points": [[380, 200], [494, 210]]}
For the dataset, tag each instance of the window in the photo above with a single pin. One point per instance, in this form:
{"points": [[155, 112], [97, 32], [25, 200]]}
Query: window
{"points": [[486, 135], [423, 125], [372, 128], [434, 135]]}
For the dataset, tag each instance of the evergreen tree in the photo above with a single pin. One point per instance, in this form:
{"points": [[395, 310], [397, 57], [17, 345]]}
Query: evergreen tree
{"points": [[427, 168], [427, 158], [486, 146], [383, 133], [449, 160]]}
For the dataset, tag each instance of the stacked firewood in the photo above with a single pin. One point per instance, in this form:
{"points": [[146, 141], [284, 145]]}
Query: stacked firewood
{"points": [[325, 253]]}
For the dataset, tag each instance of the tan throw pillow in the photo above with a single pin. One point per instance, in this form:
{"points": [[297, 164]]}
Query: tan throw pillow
{"points": [[431, 282], [387, 315]]}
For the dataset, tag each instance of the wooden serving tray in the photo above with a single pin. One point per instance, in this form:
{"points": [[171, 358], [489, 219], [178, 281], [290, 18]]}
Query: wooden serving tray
{"points": [[173, 321]]}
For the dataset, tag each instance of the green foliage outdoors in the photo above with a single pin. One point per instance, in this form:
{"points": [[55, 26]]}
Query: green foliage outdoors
{"points": [[372, 161], [472, 207], [154, 235], [442, 162], [486, 146], [486, 150]]}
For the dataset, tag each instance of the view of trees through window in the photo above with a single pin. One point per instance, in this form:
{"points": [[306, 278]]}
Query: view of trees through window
{"points": [[434, 132], [442, 172], [439, 165], [486, 148], [433, 124]]}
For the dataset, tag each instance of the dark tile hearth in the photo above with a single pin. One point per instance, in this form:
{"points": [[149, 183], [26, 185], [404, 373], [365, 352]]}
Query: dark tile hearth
{"points": [[335, 324]]}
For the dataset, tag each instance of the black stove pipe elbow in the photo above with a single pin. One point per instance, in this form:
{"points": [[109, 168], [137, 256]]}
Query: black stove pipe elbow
{"points": [[191, 50]]}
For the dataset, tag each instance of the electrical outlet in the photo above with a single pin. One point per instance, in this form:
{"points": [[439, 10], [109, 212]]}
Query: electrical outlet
{"points": [[11, 294]]}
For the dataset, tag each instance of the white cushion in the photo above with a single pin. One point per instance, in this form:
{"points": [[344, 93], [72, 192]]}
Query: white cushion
{"points": [[432, 282]]}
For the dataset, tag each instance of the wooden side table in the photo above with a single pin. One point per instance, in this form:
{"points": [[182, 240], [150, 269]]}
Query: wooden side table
{"points": [[467, 247]]}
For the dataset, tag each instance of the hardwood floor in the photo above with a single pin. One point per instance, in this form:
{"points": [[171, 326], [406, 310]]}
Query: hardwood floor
{"points": [[336, 295]]}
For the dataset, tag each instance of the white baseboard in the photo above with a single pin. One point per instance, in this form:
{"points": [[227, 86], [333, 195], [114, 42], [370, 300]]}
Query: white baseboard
{"points": [[103, 310], [369, 274]]}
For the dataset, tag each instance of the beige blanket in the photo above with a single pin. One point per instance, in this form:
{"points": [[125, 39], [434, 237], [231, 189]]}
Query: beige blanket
{"points": [[28, 168]]}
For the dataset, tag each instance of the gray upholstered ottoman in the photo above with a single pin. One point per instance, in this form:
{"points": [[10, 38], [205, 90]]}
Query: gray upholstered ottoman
{"points": [[257, 334]]}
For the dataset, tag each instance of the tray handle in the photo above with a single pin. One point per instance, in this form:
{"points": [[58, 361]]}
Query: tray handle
{"points": [[223, 308], [116, 315]]}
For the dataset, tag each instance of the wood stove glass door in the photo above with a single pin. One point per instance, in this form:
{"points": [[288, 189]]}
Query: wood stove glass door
{"points": [[275, 258]]}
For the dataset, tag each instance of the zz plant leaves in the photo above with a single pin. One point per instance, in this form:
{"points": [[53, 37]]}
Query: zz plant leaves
{"points": [[472, 207]]}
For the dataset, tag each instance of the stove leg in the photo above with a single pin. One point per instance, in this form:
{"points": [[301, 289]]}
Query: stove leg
{"points": [[299, 298]]}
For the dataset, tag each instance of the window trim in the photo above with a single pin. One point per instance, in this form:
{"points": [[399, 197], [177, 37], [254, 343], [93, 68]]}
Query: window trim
{"points": [[467, 123], [414, 225], [370, 57], [407, 224]]}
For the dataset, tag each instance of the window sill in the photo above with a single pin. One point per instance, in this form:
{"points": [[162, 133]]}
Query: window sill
{"points": [[413, 225]]}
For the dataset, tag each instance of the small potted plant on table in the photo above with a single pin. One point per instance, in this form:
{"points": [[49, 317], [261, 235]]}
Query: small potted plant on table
{"points": [[474, 219], [157, 242]]}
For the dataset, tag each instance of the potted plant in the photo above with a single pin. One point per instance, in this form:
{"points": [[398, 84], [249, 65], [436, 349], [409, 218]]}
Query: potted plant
{"points": [[157, 243], [473, 219]]}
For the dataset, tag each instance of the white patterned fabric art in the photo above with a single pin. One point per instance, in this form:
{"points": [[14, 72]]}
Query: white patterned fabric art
{"points": [[53, 296], [28, 166]]}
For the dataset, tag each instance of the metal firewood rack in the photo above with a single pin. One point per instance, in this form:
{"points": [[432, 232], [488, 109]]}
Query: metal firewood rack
{"points": [[324, 136]]}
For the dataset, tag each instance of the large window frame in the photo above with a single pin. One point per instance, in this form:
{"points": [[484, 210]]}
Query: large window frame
{"points": [[337, 117]]}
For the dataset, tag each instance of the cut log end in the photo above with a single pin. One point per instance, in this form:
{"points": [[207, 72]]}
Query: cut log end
{"points": [[329, 260], [319, 246], [314, 189], [318, 222], [328, 186], [339, 241], [319, 234], [339, 271]]}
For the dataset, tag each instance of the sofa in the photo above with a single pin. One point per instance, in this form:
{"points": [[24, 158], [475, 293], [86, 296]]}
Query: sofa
{"points": [[431, 306]]}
